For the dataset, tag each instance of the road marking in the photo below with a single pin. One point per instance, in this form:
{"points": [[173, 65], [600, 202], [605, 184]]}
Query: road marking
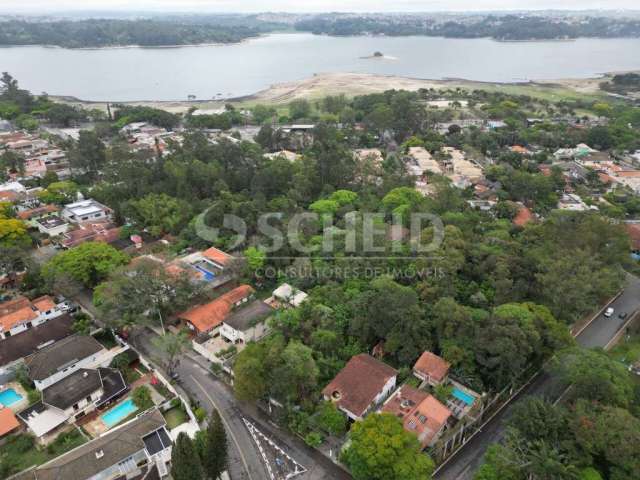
{"points": [[233, 436]]}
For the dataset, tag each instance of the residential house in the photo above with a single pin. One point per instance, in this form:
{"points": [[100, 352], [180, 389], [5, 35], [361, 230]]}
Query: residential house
{"points": [[52, 225], [629, 178], [8, 422], [460, 170], [247, 323], [57, 361], [287, 296], [523, 216], [12, 191], [14, 349], [71, 398], [421, 162], [86, 211], [482, 205], [286, 154], [32, 215], [362, 385], [520, 150], [21, 314], [421, 414], [99, 231], [207, 318], [431, 369], [633, 229], [139, 448], [571, 201]]}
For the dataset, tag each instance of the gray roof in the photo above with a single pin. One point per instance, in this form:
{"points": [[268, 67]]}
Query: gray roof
{"points": [[20, 346], [70, 390], [116, 445], [65, 352], [247, 316]]}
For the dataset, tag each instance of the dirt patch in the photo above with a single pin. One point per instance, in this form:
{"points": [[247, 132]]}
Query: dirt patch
{"points": [[351, 84]]}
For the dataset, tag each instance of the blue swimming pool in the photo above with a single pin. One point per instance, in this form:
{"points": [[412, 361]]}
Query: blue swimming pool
{"points": [[208, 276], [9, 396], [464, 396], [119, 413]]}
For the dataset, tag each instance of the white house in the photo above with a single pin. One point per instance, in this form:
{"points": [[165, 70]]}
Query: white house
{"points": [[247, 323], [21, 314], [285, 294], [72, 398], [57, 361], [85, 211], [52, 225]]}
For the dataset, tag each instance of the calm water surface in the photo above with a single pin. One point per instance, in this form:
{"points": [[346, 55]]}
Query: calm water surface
{"points": [[121, 74]]}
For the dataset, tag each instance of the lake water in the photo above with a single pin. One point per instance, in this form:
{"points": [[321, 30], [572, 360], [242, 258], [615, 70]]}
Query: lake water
{"points": [[121, 74]]}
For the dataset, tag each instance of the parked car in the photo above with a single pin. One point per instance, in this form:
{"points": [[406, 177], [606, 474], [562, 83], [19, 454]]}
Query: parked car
{"points": [[608, 312], [69, 306], [623, 315]]}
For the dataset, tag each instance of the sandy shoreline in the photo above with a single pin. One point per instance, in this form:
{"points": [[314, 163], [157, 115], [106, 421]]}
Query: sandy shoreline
{"points": [[351, 84]]}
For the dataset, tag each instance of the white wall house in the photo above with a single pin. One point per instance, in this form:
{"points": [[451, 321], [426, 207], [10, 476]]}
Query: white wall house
{"points": [[85, 211], [57, 361], [21, 314]]}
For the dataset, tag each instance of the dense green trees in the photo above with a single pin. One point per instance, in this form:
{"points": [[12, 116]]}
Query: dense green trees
{"points": [[87, 264], [88, 154], [13, 233], [144, 292], [185, 463], [111, 32], [594, 376], [212, 448], [160, 213], [381, 449]]}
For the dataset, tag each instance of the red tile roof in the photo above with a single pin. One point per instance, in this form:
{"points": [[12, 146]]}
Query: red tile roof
{"points": [[604, 178], [217, 256], [16, 311], [523, 217], [93, 232], [208, 316], [9, 196], [421, 413], [358, 383], [34, 212], [21, 310], [633, 229], [629, 174], [8, 421], [44, 303], [430, 364]]}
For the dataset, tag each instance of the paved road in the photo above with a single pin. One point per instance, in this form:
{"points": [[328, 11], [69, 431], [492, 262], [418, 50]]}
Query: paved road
{"points": [[603, 329], [244, 456], [598, 334]]}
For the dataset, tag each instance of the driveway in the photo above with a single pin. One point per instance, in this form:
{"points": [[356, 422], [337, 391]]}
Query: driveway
{"points": [[598, 333]]}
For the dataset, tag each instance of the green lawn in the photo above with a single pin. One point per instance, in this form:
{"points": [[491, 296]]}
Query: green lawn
{"points": [[175, 416], [20, 451]]}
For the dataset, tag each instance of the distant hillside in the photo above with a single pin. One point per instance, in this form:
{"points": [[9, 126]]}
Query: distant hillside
{"points": [[111, 32], [506, 27]]}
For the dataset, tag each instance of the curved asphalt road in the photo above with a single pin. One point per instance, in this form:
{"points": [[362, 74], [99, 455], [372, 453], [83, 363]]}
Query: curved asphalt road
{"points": [[597, 334]]}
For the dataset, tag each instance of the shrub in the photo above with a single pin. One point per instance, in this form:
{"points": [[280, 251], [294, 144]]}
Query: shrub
{"points": [[142, 398], [314, 439]]}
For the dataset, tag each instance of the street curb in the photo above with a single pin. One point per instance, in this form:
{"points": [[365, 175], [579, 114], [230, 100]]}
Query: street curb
{"points": [[615, 338], [585, 326], [493, 415]]}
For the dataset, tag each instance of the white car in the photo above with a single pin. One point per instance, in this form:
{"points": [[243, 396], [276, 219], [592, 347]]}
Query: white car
{"points": [[608, 312]]}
